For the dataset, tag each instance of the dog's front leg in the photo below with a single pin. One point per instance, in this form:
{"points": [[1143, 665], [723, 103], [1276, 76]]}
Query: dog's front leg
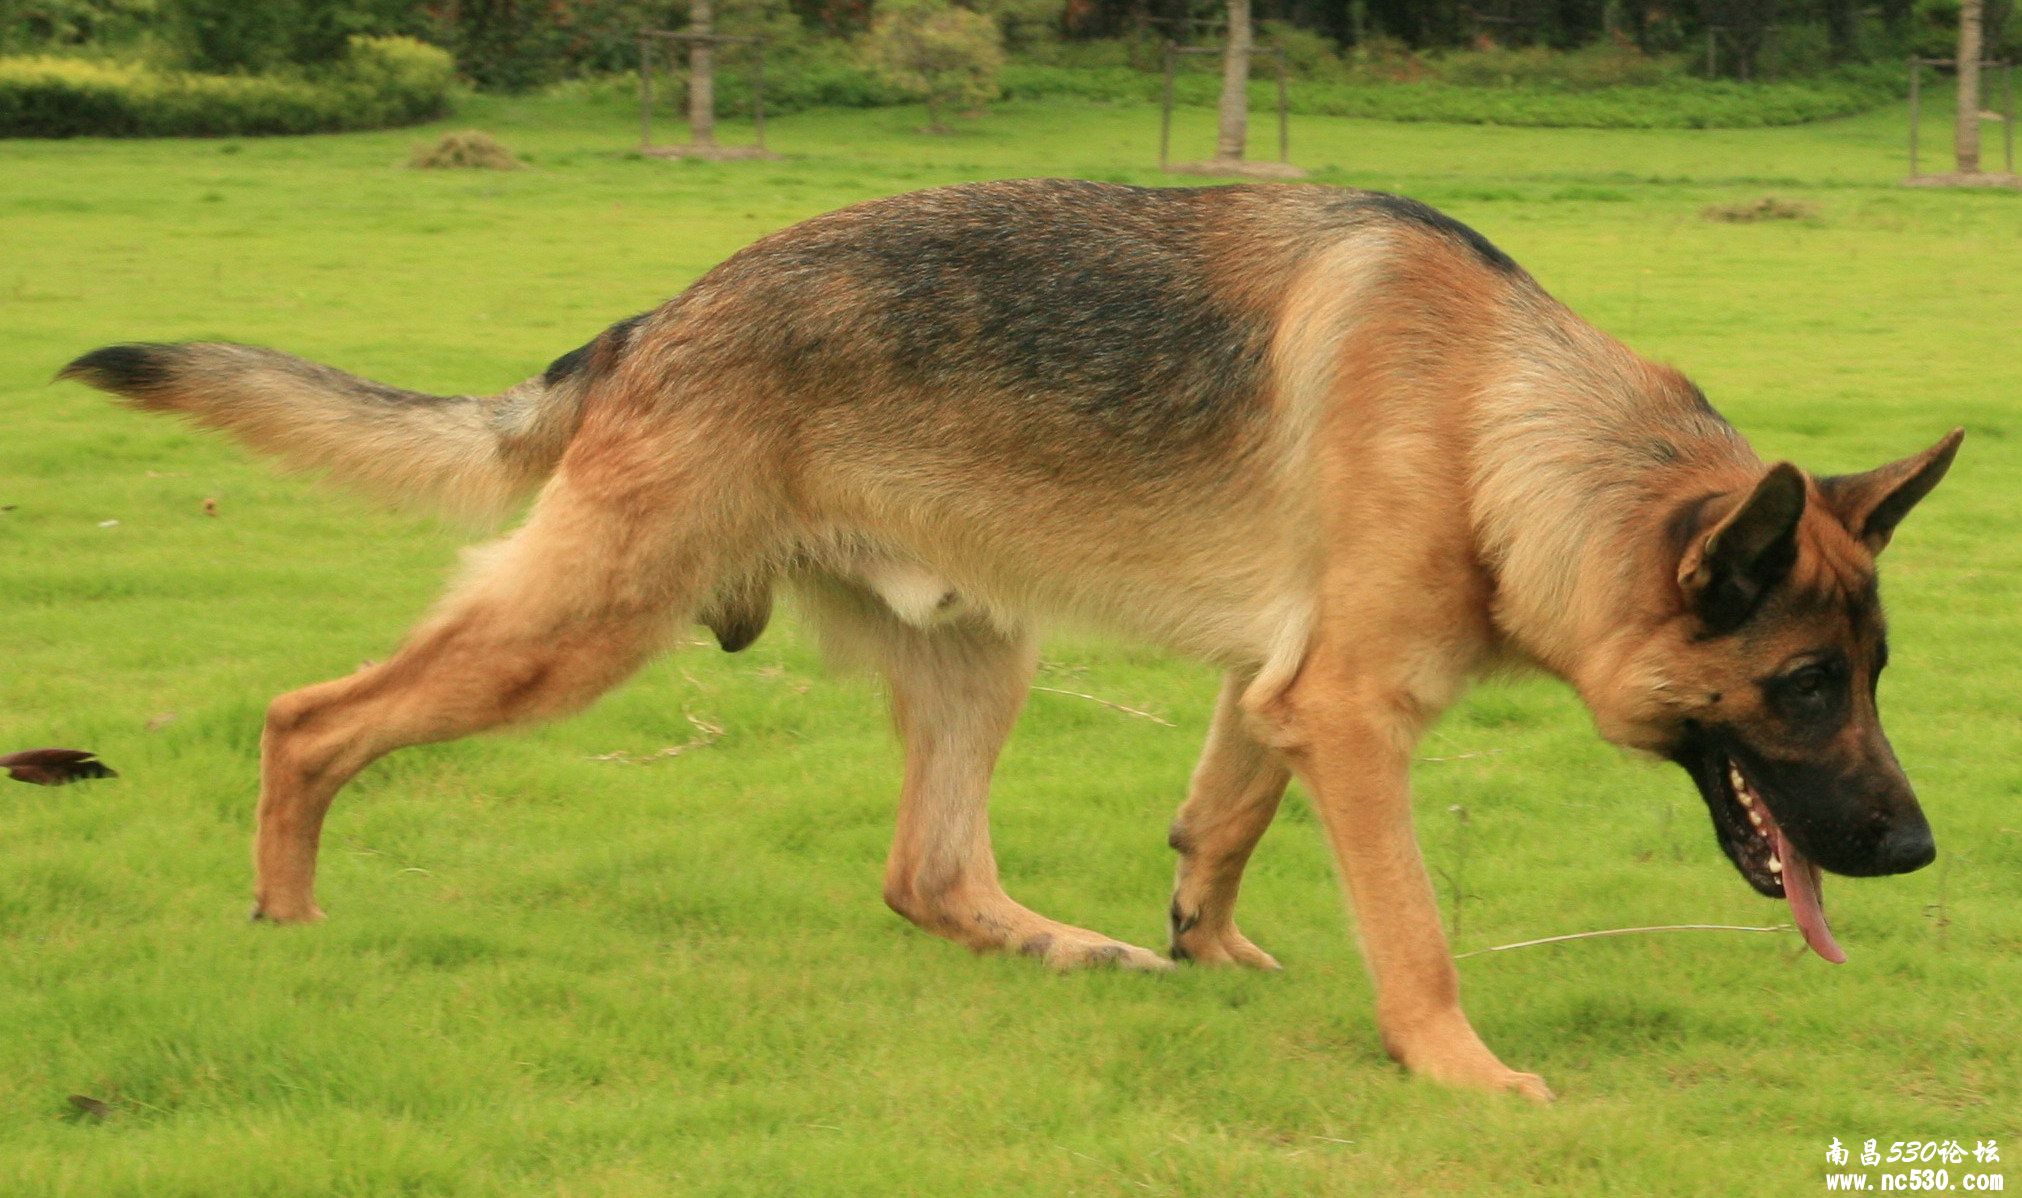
{"points": [[1348, 729]]}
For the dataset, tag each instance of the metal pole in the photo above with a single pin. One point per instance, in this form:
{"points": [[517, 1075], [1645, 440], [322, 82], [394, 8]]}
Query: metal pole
{"points": [[1916, 108], [645, 92], [1165, 113], [2008, 116], [1284, 125], [758, 95], [701, 75]]}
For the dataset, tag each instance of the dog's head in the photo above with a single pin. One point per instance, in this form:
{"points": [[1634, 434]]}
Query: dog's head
{"points": [[1760, 677]]}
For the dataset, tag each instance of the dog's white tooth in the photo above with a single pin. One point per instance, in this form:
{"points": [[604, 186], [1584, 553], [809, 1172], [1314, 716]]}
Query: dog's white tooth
{"points": [[1746, 796], [1775, 864], [1755, 817]]}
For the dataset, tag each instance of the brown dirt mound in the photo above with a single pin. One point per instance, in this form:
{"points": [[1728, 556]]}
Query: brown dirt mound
{"points": [[1237, 169], [1766, 208], [1955, 179], [469, 149]]}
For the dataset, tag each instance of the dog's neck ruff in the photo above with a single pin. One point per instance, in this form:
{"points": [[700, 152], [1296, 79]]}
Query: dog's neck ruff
{"points": [[1578, 450]]}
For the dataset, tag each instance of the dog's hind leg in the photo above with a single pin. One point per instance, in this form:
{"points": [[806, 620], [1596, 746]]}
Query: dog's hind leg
{"points": [[552, 617], [956, 689], [1233, 797]]}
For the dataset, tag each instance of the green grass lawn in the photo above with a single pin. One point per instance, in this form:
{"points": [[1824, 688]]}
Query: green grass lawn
{"points": [[546, 973]]}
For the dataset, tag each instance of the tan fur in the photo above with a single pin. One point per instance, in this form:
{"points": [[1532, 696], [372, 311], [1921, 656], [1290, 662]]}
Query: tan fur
{"points": [[1444, 471], [468, 455]]}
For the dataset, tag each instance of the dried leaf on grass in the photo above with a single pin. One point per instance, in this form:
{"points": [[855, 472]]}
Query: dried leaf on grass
{"points": [[87, 1107]]}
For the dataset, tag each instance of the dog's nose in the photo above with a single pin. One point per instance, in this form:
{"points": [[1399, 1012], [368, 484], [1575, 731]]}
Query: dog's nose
{"points": [[1908, 846]]}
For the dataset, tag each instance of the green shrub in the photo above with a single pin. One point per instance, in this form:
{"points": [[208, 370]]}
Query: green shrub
{"points": [[938, 53], [1795, 49], [822, 74], [394, 81], [222, 37], [1677, 103], [228, 37], [28, 26], [1024, 23], [1093, 52], [521, 45], [379, 82], [1537, 68], [818, 85], [1308, 55]]}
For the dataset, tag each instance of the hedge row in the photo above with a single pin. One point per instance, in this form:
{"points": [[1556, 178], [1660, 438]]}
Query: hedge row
{"points": [[396, 81], [1674, 103], [1683, 103], [378, 83]]}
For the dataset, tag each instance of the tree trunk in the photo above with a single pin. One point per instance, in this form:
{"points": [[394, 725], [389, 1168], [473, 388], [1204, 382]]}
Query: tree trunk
{"points": [[701, 76], [1966, 135], [1235, 120]]}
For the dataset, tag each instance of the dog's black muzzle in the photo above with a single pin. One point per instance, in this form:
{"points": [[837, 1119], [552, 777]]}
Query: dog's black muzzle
{"points": [[1861, 820]]}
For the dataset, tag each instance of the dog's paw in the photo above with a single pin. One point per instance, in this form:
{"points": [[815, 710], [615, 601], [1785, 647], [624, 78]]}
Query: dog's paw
{"points": [[1530, 1085], [1073, 952], [1223, 946], [1441, 1047], [280, 913]]}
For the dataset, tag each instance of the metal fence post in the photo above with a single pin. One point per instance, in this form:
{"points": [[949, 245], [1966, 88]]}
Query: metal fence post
{"points": [[645, 92], [2008, 116], [1284, 121], [758, 97], [1165, 113], [1916, 108]]}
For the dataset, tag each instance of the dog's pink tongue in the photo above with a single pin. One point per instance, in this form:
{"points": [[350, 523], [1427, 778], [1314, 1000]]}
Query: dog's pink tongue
{"points": [[1801, 887]]}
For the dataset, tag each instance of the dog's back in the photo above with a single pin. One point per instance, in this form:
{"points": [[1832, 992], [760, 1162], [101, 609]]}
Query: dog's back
{"points": [[1065, 398]]}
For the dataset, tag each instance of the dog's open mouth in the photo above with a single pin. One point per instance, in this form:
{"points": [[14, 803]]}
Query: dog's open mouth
{"points": [[1760, 850]]}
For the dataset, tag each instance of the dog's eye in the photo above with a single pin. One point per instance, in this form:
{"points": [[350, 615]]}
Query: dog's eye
{"points": [[1809, 693], [1808, 682]]}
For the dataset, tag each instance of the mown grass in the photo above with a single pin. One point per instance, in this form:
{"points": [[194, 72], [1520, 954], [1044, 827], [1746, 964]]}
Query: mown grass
{"points": [[551, 974]]}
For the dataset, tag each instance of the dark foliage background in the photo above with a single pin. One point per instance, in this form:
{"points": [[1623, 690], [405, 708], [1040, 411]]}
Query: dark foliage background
{"points": [[522, 44]]}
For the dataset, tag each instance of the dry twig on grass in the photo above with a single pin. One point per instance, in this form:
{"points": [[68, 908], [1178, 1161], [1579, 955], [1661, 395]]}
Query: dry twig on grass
{"points": [[1143, 715], [1669, 927], [706, 733]]}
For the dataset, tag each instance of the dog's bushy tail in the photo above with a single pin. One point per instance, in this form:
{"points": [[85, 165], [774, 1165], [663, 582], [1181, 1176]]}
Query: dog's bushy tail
{"points": [[470, 455]]}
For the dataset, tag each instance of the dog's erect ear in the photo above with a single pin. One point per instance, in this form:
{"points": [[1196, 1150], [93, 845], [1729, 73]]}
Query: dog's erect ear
{"points": [[1727, 572], [1872, 504]]}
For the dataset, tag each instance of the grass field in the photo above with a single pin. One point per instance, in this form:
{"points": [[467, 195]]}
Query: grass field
{"points": [[550, 973]]}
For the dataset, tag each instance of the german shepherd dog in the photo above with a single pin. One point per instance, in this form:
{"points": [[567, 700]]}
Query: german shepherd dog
{"points": [[1331, 440]]}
